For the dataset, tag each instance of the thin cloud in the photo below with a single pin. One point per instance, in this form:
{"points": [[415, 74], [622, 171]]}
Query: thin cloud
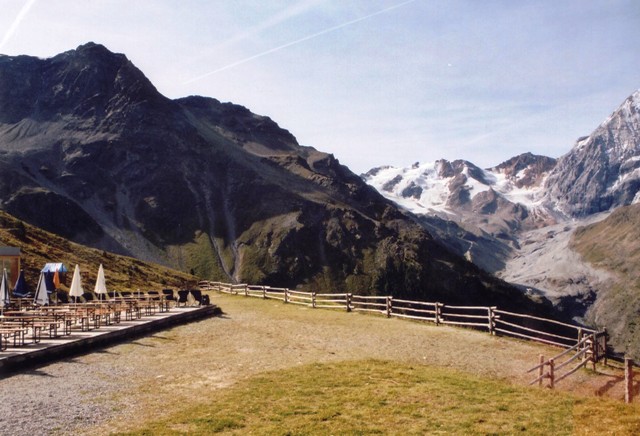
{"points": [[282, 16], [14, 26], [297, 41], [287, 14]]}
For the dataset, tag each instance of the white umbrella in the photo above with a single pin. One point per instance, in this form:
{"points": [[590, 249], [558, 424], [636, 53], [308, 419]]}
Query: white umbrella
{"points": [[41, 297], [76, 284], [5, 298], [101, 284]]}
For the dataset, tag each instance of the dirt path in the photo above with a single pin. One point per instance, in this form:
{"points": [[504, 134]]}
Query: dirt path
{"points": [[116, 388]]}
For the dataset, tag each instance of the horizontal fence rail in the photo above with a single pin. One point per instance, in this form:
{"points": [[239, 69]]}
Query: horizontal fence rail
{"points": [[531, 327], [490, 318], [575, 357], [582, 346]]}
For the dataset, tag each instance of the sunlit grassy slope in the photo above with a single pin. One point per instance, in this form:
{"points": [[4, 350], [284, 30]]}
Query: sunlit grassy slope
{"points": [[39, 247], [614, 245]]}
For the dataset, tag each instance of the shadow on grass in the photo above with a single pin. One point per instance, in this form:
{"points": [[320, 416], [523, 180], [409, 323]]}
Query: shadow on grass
{"points": [[39, 373], [141, 344]]}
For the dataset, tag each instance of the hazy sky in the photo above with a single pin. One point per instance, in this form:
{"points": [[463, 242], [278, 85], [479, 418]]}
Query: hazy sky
{"points": [[372, 81]]}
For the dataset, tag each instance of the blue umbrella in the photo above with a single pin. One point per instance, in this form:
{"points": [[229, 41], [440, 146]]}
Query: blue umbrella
{"points": [[48, 281], [20, 289]]}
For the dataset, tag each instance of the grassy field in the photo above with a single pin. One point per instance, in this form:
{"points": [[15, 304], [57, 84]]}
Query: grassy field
{"points": [[384, 397], [265, 367]]}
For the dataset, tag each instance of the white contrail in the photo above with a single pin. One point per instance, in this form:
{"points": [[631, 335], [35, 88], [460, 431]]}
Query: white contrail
{"points": [[284, 15], [16, 22], [297, 41]]}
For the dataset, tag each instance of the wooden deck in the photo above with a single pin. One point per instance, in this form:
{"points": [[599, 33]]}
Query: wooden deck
{"points": [[16, 358]]}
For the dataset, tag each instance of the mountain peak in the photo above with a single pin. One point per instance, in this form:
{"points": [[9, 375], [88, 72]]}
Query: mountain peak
{"points": [[627, 115], [89, 54], [526, 169], [89, 83], [602, 170]]}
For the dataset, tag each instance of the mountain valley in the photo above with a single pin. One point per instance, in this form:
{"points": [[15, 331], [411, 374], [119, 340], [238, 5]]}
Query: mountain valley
{"points": [[520, 219], [90, 150]]}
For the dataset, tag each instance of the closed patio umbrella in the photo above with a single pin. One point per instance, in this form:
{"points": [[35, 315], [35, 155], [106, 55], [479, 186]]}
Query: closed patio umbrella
{"points": [[101, 284], [5, 298], [42, 297], [48, 282], [76, 285], [20, 289]]}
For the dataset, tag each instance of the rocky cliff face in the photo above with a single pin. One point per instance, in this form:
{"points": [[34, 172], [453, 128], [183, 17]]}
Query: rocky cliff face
{"points": [[89, 149], [602, 171]]}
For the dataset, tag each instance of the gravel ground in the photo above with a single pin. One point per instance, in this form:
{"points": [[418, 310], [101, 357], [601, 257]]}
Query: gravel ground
{"points": [[117, 388]]}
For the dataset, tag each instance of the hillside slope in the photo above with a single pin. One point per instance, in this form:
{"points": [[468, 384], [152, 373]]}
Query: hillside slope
{"points": [[122, 273], [612, 245]]}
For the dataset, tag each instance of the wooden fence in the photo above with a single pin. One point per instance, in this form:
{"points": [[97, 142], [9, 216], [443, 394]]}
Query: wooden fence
{"points": [[582, 346], [487, 318], [570, 360]]}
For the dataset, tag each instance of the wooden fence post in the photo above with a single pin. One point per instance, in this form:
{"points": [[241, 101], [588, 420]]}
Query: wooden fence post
{"points": [[591, 351], [348, 302], [246, 290], [541, 370], [628, 380], [551, 373], [492, 320], [389, 302], [313, 300], [579, 335], [604, 340], [264, 292], [438, 313], [286, 295]]}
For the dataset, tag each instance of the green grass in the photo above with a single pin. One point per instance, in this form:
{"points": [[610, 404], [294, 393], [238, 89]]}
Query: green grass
{"points": [[380, 397]]}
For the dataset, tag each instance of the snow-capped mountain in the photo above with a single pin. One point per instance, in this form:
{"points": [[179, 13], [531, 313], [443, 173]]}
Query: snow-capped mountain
{"points": [[475, 212], [602, 171], [505, 198], [517, 219]]}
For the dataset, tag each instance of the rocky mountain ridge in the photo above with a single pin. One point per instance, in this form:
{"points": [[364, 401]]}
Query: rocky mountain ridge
{"points": [[516, 219], [90, 150], [488, 206], [602, 171]]}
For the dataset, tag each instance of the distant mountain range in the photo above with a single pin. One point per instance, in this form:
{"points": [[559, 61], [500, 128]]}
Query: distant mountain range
{"points": [[489, 206], [526, 192], [601, 172], [90, 150], [517, 219]]}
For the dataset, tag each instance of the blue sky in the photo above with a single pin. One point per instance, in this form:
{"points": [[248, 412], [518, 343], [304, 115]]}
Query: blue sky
{"points": [[374, 82]]}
